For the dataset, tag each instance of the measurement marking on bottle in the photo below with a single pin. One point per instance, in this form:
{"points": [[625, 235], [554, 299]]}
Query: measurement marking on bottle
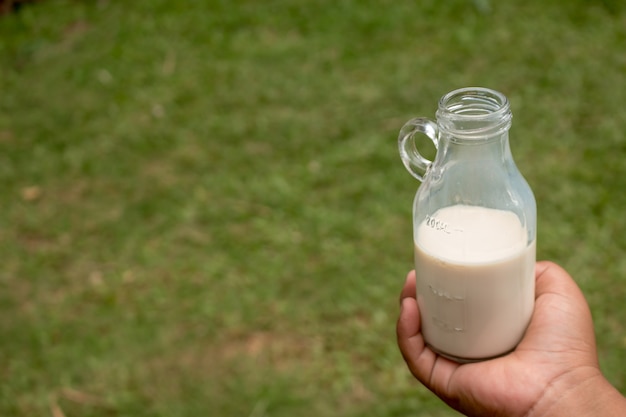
{"points": [[446, 295], [449, 311], [437, 224], [440, 225]]}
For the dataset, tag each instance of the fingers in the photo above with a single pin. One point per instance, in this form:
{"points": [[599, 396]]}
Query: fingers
{"points": [[409, 287], [410, 339], [417, 356], [408, 326]]}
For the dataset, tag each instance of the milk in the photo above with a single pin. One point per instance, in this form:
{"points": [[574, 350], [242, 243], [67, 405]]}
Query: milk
{"points": [[475, 281]]}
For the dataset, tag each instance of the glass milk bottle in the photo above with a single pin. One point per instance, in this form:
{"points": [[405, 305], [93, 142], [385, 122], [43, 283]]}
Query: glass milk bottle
{"points": [[474, 228]]}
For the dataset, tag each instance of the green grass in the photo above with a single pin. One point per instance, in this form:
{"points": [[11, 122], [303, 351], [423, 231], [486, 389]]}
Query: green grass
{"points": [[202, 209]]}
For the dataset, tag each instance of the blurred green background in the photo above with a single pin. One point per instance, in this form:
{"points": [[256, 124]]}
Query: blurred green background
{"points": [[202, 208]]}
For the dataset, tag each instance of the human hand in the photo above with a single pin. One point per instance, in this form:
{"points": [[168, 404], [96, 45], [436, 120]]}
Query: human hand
{"points": [[552, 370]]}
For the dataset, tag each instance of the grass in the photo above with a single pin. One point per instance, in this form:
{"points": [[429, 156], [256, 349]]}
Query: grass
{"points": [[202, 209]]}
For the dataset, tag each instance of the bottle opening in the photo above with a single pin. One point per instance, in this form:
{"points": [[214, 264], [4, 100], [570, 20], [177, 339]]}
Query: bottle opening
{"points": [[474, 112]]}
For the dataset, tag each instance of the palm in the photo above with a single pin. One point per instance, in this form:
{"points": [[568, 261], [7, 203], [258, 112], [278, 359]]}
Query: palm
{"points": [[512, 384]]}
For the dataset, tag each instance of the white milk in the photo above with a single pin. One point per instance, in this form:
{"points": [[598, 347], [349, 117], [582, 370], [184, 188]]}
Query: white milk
{"points": [[475, 281]]}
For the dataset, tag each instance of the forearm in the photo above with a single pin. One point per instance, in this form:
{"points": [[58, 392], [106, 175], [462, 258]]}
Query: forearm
{"points": [[588, 394]]}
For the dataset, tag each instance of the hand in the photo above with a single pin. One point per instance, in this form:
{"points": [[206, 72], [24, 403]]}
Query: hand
{"points": [[553, 368]]}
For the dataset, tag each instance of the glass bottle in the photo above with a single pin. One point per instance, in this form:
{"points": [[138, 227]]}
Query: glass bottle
{"points": [[474, 228]]}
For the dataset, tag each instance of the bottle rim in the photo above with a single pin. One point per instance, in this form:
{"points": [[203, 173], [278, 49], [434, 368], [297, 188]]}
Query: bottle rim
{"points": [[474, 112]]}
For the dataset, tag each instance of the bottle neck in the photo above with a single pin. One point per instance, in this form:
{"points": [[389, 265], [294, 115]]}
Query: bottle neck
{"points": [[494, 148], [493, 143], [476, 122]]}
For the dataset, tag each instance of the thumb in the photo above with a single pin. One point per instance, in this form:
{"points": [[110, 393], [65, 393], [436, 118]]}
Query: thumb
{"points": [[562, 319], [551, 279]]}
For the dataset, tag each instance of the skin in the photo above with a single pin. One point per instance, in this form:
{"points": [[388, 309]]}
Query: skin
{"points": [[553, 371]]}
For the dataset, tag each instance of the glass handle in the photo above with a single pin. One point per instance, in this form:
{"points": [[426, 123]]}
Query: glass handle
{"points": [[414, 162]]}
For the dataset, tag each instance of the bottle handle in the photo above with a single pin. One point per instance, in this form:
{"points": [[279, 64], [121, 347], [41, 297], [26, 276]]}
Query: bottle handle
{"points": [[414, 162]]}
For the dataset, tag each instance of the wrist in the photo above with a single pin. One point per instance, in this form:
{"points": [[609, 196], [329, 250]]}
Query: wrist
{"points": [[583, 392]]}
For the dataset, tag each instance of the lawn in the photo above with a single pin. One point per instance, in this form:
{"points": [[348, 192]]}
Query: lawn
{"points": [[203, 211]]}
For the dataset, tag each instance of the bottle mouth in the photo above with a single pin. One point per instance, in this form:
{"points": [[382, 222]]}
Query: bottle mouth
{"points": [[474, 112]]}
